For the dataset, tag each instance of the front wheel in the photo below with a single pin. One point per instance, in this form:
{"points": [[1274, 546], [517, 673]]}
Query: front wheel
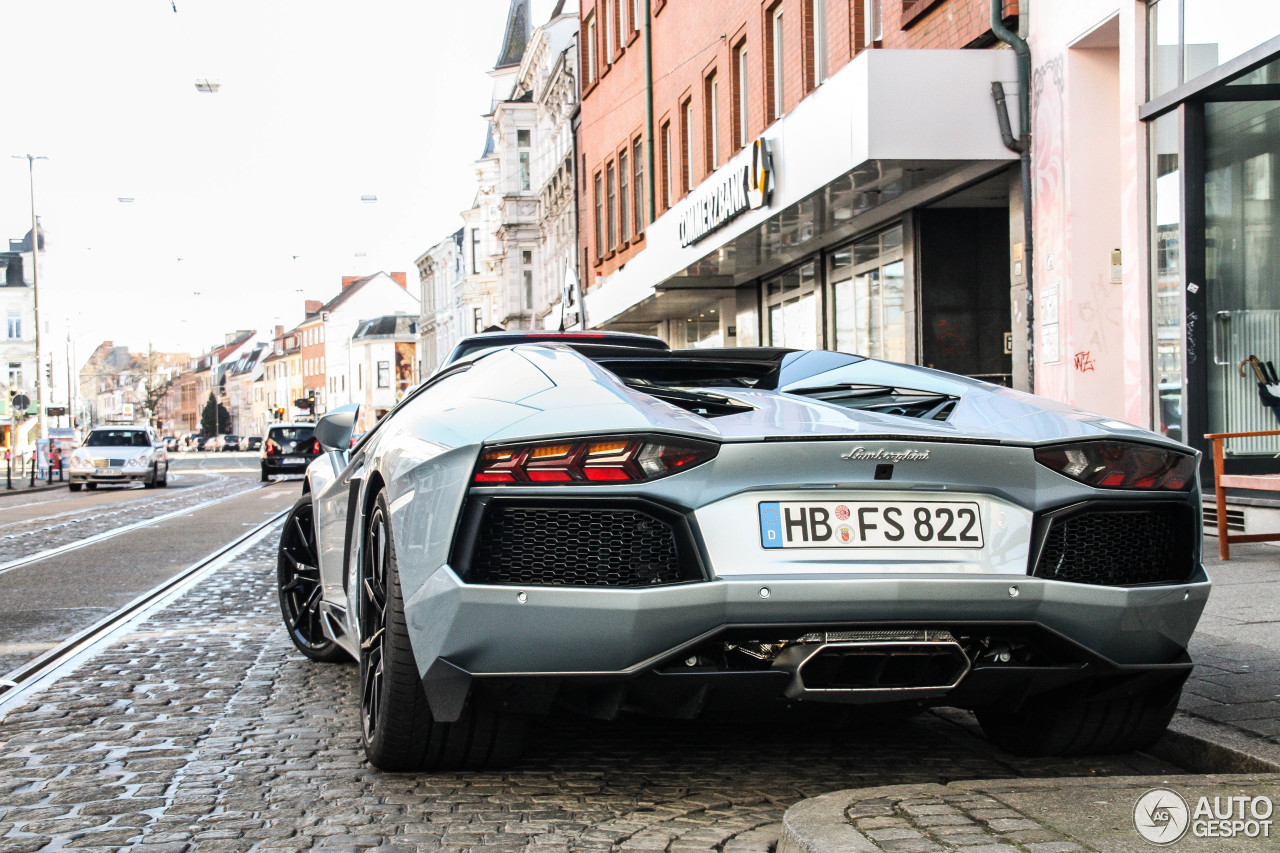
{"points": [[75, 487], [298, 585], [399, 732], [163, 482], [1054, 725]]}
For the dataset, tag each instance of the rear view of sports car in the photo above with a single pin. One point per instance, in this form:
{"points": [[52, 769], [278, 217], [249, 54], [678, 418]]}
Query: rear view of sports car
{"points": [[612, 528]]}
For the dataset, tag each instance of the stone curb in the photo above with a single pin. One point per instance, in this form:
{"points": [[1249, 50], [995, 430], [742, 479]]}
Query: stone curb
{"points": [[24, 489], [1202, 746], [823, 824]]}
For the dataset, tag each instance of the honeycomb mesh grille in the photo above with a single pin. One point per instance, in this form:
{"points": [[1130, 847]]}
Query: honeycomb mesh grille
{"points": [[1115, 548], [574, 547]]}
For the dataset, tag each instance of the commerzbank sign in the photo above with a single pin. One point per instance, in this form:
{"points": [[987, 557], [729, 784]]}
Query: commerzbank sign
{"points": [[727, 195]]}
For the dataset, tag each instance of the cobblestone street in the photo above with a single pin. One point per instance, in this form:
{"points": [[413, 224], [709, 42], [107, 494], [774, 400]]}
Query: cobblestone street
{"points": [[197, 735]]}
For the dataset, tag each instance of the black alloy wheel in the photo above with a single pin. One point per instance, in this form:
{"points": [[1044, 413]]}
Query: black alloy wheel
{"points": [[373, 621], [400, 732], [298, 583]]}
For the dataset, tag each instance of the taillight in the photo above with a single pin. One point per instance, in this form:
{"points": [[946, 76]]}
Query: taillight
{"points": [[1119, 465], [606, 459]]}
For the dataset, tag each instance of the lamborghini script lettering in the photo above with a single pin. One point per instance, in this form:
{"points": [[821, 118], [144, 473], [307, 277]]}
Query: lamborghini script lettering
{"points": [[882, 455]]}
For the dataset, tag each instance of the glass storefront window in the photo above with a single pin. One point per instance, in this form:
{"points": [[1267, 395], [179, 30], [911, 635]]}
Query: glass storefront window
{"points": [[1166, 264], [1212, 32], [1217, 31], [791, 308], [1162, 25], [868, 287], [1242, 261]]}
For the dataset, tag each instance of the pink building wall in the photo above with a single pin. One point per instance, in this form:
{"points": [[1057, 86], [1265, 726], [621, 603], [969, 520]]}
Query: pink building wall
{"points": [[1089, 169]]}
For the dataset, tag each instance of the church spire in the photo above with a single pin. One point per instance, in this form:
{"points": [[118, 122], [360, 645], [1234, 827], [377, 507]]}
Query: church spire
{"points": [[518, 32]]}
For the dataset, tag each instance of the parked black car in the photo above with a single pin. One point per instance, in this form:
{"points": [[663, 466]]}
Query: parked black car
{"points": [[288, 449], [231, 442], [251, 442]]}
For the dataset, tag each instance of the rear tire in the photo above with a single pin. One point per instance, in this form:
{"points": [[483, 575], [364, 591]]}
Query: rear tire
{"points": [[1054, 725], [298, 585], [266, 478], [399, 732]]}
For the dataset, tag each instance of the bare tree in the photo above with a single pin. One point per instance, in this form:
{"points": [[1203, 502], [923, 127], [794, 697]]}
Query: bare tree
{"points": [[156, 384]]}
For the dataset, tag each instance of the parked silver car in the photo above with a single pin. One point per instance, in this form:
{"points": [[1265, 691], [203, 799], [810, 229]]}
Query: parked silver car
{"points": [[118, 455], [614, 528]]}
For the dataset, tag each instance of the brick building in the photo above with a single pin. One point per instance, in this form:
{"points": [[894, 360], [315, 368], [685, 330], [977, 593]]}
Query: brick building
{"points": [[791, 173]]}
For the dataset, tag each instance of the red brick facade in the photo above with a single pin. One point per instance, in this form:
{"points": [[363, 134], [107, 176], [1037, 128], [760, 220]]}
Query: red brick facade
{"points": [[691, 41]]}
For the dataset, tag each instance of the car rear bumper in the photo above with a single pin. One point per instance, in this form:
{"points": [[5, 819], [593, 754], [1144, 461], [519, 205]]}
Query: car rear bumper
{"points": [[124, 476], [281, 468], [463, 632]]}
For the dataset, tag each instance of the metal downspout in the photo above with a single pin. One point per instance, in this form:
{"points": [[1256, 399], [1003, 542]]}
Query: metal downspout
{"points": [[1023, 147], [648, 109]]}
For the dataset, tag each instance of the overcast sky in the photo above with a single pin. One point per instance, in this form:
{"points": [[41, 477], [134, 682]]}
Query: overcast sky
{"points": [[250, 197]]}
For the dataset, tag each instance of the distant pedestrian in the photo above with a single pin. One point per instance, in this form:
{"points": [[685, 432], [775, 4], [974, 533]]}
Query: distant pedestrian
{"points": [[55, 461]]}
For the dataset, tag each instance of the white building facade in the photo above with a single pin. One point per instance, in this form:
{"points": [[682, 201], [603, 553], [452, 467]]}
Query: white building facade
{"points": [[372, 296]]}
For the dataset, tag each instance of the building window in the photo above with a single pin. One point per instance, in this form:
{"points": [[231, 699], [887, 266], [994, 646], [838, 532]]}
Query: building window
{"points": [[637, 186], [477, 319], [526, 271], [15, 326], [589, 51], [475, 251], [711, 109], [872, 23], [384, 374], [668, 178], [816, 37], [774, 47], [738, 83], [686, 146], [868, 285], [609, 43], [522, 146], [791, 308], [624, 196], [15, 376], [599, 217], [611, 212]]}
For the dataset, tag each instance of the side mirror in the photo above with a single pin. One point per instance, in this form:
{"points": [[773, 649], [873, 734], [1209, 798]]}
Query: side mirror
{"points": [[333, 431]]}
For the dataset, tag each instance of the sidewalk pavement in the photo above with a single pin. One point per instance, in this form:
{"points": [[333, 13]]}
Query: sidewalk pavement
{"points": [[1227, 733], [23, 486]]}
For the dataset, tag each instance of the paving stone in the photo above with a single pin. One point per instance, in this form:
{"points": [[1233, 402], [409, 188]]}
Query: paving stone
{"points": [[199, 734]]}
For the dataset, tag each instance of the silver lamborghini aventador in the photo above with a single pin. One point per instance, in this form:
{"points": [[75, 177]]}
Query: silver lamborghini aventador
{"points": [[606, 525]]}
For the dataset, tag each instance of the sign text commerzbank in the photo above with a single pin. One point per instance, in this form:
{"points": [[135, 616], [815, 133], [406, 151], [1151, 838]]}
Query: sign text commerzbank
{"points": [[728, 194]]}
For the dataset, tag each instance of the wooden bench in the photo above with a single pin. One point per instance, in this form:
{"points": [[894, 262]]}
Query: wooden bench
{"points": [[1222, 482]]}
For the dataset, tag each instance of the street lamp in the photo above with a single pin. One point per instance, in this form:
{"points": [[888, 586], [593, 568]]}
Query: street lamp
{"points": [[41, 428]]}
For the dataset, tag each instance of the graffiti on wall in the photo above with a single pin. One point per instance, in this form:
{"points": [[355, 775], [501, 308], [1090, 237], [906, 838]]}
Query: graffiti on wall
{"points": [[1053, 214]]}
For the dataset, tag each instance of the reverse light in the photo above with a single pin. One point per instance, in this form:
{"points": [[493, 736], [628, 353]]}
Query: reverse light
{"points": [[620, 459], [1119, 465]]}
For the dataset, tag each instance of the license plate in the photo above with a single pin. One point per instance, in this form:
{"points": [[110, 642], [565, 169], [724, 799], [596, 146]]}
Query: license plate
{"points": [[870, 524], [294, 460], [108, 472]]}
